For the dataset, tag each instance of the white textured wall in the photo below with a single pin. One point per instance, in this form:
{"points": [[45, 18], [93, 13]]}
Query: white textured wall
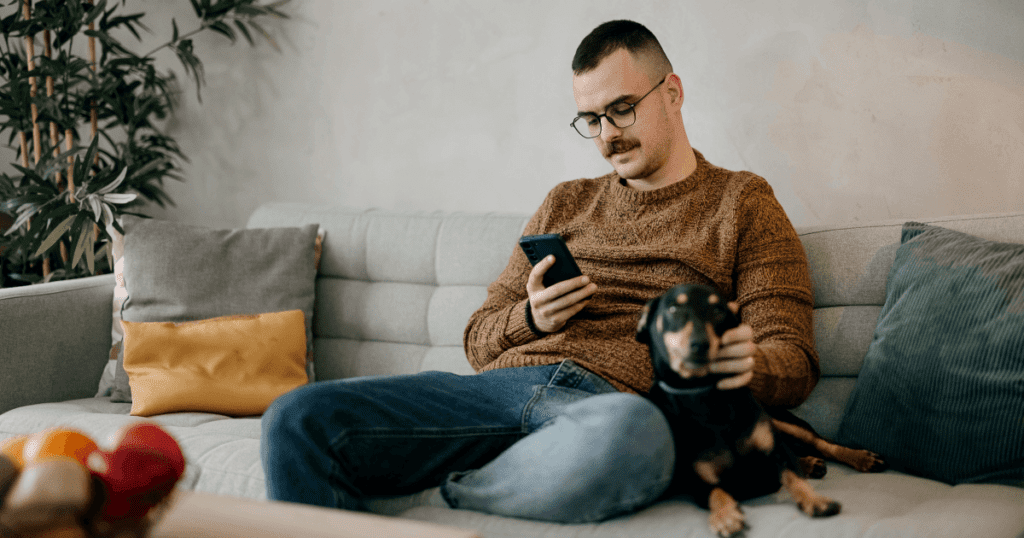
{"points": [[853, 110]]}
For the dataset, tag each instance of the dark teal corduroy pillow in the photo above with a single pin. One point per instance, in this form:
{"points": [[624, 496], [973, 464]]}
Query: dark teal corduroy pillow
{"points": [[941, 391]]}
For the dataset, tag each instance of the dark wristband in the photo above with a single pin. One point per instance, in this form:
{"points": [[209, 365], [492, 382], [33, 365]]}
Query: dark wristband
{"points": [[530, 323]]}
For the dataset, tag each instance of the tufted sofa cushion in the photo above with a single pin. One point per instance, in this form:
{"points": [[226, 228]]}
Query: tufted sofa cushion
{"points": [[395, 289]]}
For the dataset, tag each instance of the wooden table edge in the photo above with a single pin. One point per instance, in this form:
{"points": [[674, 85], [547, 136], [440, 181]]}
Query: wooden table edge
{"points": [[205, 515]]}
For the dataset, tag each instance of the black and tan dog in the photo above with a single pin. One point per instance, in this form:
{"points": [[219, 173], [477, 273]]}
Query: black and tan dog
{"points": [[728, 447]]}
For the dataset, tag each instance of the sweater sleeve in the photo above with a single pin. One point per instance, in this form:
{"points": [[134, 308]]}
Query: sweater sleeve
{"points": [[500, 324], [773, 289]]}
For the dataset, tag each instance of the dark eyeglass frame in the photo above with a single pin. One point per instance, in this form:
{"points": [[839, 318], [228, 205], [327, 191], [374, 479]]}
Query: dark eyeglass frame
{"points": [[632, 108]]}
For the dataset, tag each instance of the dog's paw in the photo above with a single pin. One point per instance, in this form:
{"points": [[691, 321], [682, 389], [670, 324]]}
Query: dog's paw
{"points": [[820, 507], [869, 462], [813, 467], [728, 522]]}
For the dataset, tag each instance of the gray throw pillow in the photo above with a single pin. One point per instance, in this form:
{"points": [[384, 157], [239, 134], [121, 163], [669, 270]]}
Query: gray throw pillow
{"points": [[941, 391], [178, 272]]}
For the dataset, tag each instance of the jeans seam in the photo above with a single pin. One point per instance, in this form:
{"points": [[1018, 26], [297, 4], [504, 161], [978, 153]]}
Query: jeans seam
{"points": [[524, 420], [419, 433], [569, 379]]}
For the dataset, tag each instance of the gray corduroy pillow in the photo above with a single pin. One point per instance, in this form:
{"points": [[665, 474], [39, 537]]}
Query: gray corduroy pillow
{"points": [[179, 272], [941, 391]]}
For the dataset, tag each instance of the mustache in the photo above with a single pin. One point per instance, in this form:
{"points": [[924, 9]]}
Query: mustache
{"points": [[619, 146]]}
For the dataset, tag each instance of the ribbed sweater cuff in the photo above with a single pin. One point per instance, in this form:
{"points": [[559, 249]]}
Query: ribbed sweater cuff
{"points": [[520, 325]]}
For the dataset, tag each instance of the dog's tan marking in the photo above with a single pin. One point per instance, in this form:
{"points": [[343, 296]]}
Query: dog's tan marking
{"points": [[762, 438], [682, 298], [710, 467], [677, 344], [713, 299], [861, 460], [715, 343], [725, 518], [707, 471], [810, 502], [813, 467]]}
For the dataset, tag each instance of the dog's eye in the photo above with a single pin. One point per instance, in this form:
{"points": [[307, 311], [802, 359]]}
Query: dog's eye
{"points": [[672, 310]]}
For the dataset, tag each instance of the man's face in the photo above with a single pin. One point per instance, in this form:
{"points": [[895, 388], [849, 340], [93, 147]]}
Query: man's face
{"points": [[637, 151]]}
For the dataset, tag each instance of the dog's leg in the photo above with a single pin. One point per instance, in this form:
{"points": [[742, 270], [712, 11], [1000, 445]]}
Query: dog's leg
{"points": [[811, 502], [861, 460], [813, 467], [726, 519]]}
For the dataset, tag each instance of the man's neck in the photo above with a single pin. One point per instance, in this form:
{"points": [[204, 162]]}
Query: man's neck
{"points": [[674, 171]]}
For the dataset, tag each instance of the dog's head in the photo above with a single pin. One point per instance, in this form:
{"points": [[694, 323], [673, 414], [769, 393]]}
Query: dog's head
{"points": [[682, 329]]}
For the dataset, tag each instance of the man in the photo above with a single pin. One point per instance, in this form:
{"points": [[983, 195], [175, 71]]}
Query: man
{"points": [[553, 426]]}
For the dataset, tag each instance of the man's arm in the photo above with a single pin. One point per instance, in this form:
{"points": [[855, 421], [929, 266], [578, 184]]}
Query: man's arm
{"points": [[518, 308], [773, 290]]}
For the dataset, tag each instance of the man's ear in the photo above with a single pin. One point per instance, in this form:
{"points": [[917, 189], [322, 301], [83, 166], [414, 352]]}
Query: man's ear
{"points": [[675, 90]]}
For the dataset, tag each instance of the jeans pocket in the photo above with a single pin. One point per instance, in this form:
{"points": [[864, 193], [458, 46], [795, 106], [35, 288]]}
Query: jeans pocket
{"points": [[573, 376]]}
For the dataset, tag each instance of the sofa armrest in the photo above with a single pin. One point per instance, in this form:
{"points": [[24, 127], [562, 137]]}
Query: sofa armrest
{"points": [[54, 340]]}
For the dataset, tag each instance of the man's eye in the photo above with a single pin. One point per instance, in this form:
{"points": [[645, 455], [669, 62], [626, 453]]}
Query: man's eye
{"points": [[592, 121], [620, 109]]}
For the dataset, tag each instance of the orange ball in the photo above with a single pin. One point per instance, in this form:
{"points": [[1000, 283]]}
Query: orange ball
{"points": [[59, 443], [14, 449]]}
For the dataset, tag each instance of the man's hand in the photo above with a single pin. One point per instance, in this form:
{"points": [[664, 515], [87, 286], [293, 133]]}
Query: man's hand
{"points": [[552, 307], [736, 355]]}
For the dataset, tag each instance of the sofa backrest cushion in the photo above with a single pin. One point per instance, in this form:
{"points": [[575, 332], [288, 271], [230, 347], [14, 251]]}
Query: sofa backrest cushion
{"points": [[849, 266], [396, 288]]}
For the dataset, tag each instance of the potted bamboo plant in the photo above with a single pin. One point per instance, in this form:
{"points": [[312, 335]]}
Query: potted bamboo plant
{"points": [[82, 111]]}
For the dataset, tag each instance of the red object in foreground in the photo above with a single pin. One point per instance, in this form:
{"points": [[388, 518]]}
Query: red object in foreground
{"points": [[139, 473], [152, 436]]}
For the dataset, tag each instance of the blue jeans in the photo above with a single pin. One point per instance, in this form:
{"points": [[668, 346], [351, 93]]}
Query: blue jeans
{"points": [[554, 443]]}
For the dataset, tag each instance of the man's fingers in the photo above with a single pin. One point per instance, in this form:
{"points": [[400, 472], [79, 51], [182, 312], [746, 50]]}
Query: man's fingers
{"points": [[560, 317], [571, 293], [739, 333], [535, 282], [553, 306], [732, 366], [735, 382]]}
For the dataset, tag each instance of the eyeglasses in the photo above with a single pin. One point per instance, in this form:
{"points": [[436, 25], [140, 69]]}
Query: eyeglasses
{"points": [[620, 115]]}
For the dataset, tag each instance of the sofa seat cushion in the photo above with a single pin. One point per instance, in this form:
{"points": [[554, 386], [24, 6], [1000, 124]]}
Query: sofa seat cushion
{"points": [[222, 453], [887, 504]]}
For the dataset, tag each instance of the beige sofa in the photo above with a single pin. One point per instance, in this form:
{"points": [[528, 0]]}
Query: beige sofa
{"points": [[393, 295]]}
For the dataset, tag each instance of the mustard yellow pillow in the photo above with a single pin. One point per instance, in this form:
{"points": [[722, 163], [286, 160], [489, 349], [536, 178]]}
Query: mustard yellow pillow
{"points": [[231, 365]]}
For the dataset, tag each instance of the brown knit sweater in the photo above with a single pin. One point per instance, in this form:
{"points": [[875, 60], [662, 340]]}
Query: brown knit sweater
{"points": [[715, 227]]}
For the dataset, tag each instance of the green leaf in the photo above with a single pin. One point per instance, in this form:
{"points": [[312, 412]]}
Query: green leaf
{"points": [[90, 251], [245, 32], [266, 35], [94, 11], [80, 246], [54, 236], [223, 29]]}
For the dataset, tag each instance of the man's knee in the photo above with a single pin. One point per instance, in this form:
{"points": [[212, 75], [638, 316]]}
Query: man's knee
{"points": [[288, 414], [633, 457], [618, 417]]}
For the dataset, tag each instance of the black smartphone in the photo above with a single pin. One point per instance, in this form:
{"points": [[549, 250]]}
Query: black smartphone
{"points": [[536, 247]]}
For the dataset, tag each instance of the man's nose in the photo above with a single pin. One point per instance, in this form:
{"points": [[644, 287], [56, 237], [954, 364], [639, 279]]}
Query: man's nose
{"points": [[609, 131]]}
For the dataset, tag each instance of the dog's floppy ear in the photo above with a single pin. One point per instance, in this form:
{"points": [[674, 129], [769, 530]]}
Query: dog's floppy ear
{"points": [[643, 333]]}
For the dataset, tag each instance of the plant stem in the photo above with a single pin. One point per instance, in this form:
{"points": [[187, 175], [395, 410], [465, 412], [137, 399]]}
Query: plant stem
{"points": [[173, 41]]}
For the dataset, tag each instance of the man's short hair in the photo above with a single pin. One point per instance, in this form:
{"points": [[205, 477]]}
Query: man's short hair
{"points": [[614, 35]]}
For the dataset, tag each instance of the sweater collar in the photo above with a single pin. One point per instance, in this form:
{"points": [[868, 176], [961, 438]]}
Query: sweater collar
{"points": [[621, 191]]}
